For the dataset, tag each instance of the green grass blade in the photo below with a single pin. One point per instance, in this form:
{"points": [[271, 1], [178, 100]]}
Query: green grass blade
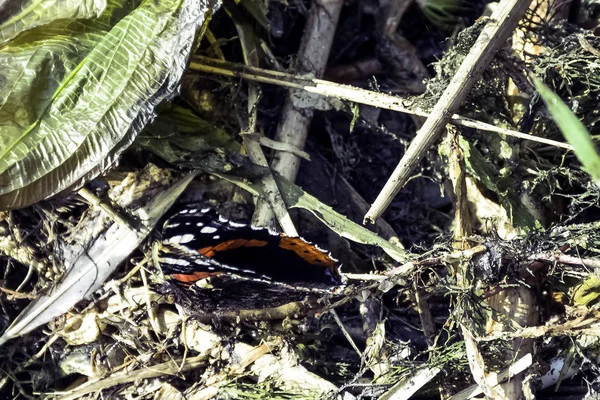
{"points": [[572, 129]]}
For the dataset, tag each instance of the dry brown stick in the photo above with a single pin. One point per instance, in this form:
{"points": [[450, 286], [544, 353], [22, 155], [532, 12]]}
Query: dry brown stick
{"points": [[403, 57], [361, 205], [462, 229], [494, 34], [15, 294], [279, 146], [340, 324], [346, 92], [293, 128], [513, 303], [270, 189], [427, 322]]}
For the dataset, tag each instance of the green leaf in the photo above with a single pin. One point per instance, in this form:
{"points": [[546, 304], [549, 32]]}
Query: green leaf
{"points": [[572, 129], [294, 196], [177, 135], [78, 91], [19, 16]]}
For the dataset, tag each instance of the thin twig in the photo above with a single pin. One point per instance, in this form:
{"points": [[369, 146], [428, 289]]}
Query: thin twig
{"points": [[558, 257], [411, 384], [150, 309], [586, 45], [579, 326], [15, 294], [96, 202], [345, 332], [427, 322], [516, 368], [167, 368], [347, 92], [280, 146]]}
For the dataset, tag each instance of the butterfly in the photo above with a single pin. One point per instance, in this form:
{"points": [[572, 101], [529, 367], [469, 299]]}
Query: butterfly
{"points": [[200, 245]]}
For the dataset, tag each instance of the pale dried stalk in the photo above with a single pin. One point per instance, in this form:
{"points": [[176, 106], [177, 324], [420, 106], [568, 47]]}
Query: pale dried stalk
{"points": [[350, 93], [96, 202], [516, 304], [274, 202], [494, 34], [462, 229], [293, 128], [516, 368]]}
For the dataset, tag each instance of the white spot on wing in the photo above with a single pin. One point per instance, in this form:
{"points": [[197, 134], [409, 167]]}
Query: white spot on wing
{"points": [[181, 239], [175, 261], [236, 224], [216, 237], [208, 229], [199, 224], [172, 225], [222, 219], [205, 210]]}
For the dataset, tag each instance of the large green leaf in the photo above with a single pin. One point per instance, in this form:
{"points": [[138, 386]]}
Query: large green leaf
{"points": [[74, 93]]}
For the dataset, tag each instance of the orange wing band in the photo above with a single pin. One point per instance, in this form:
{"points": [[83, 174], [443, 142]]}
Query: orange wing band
{"points": [[229, 245], [190, 279], [307, 252]]}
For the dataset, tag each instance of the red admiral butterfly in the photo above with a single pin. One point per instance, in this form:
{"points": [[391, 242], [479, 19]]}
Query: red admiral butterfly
{"points": [[200, 244]]}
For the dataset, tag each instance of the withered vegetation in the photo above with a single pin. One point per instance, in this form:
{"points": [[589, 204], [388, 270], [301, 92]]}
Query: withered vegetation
{"points": [[481, 276]]}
